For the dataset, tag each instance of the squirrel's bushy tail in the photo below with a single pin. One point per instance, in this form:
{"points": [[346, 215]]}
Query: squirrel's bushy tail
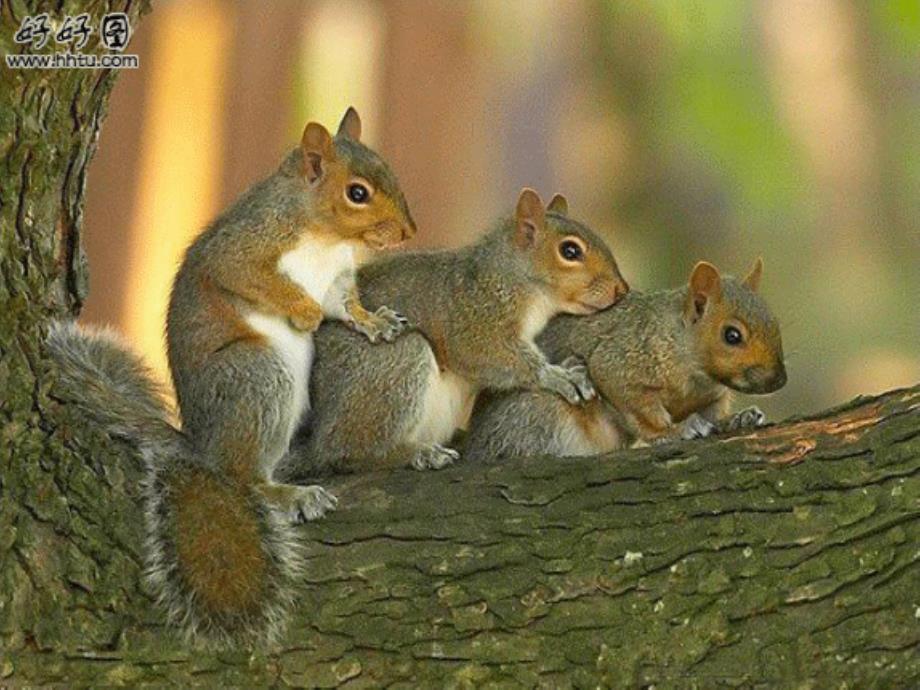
{"points": [[222, 563], [113, 387]]}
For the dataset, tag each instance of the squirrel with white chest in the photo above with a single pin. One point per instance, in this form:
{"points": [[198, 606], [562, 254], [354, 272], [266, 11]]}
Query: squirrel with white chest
{"points": [[476, 311], [664, 364], [221, 554]]}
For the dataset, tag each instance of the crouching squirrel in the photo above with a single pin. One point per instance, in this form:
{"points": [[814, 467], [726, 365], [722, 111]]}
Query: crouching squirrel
{"points": [[664, 364], [220, 551], [477, 310]]}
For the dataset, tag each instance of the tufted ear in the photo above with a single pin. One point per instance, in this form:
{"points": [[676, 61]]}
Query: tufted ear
{"points": [[753, 278], [705, 289], [350, 126], [558, 204], [317, 148], [529, 217]]}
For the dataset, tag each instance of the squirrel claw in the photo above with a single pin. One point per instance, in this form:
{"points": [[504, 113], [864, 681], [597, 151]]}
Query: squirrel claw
{"points": [[434, 457], [383, 324], [570, 380], [395, 323], [311, 503], [748, 417], [696, 426], [578, 371]]}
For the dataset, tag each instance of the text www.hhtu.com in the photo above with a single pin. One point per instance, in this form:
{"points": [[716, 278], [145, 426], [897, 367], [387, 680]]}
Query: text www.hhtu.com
{"points": [[72, 61]]}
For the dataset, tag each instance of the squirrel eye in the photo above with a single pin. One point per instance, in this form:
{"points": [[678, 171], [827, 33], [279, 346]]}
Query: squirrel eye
{"points": [[570, 251], [732, 335], [357, 193]]}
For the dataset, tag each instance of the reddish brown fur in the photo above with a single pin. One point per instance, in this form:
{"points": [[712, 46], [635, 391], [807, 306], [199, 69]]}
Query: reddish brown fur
{"points": [[227, 575]]}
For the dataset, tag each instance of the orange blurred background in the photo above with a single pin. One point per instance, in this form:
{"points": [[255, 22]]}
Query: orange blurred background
{"points": [[680, 131]]}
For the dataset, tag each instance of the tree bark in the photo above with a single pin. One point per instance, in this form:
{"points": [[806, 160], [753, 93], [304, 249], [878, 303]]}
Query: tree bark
{"points": [[786, 556]]}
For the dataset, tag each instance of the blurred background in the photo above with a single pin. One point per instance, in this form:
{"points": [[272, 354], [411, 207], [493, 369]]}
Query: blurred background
{"points": [[713, 129]]}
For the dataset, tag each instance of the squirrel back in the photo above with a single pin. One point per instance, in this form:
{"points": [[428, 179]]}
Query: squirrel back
{"points": [[509, 276], [663, 362]]}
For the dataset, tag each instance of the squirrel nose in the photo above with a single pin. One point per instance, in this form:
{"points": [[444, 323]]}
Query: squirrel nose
{"points": [[779, 377], [620, 290]]}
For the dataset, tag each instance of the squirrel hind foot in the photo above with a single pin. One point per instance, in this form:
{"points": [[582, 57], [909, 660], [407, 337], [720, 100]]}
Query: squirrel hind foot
{"points": [[434, 457], [299, 504]]}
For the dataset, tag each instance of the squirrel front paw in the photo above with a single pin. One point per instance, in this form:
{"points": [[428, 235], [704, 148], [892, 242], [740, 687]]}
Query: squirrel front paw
{"points": [[696, 426], [748, 417], [383, 324], [306, 315], [434, 457], [569, 379]]}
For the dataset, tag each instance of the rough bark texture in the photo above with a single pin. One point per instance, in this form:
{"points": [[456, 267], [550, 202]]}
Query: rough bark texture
{"points": [[787, 556]]}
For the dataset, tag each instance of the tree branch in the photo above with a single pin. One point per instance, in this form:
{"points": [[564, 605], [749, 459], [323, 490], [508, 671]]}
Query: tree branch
{"points": [[786, 555]]}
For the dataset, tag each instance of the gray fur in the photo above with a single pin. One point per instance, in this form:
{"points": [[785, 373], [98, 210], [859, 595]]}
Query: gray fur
{"points": [[534, 432], [465, 306], [353, 381], [642, 340]]}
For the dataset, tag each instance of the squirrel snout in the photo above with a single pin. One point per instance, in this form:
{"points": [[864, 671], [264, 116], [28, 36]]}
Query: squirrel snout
{"points": [[778, 380], [614, 292], [766, 380]]}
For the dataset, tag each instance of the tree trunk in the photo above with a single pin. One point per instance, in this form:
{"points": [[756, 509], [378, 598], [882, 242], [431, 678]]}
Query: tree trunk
{"points": [[787, 556]]}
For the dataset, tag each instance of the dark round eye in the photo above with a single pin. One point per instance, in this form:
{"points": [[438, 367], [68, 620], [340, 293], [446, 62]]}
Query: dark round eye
{"points": [[570, 251], [358, 193], [732, 335]]}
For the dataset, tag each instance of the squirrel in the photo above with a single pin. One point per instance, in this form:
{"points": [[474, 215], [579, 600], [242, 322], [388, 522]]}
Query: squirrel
{"points": [[476, 311], [664, 364], [221, 554]]}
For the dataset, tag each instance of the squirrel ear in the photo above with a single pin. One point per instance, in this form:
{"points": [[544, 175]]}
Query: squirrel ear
{"points": [[558, 204], [317, 148], [350, 126], [529, 217], [753, 278], [705, 288]]}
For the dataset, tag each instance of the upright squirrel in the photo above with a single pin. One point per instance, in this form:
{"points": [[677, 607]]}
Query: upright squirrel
{"points": [[664, 364], [221, 554], [477, 310]]}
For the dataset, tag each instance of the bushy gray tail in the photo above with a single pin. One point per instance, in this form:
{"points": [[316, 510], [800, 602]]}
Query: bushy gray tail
{"points": [[113, 387], [228, 576]]}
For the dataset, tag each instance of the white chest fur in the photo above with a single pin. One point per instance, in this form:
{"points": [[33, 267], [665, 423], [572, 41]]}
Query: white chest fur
{"points": [[295, 349], [326, 271], [446, 406], [538, 313], [597, 433]]}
